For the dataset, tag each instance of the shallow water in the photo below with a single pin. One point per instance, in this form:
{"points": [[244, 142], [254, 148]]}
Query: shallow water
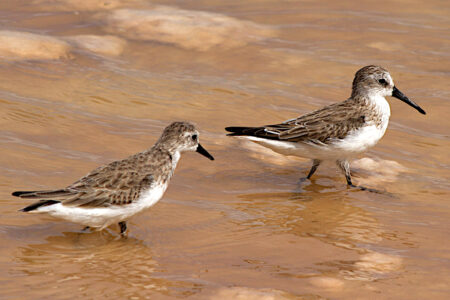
{"points": [[241, 226]]}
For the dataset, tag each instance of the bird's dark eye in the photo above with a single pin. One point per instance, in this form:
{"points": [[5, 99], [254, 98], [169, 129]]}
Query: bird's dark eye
{"points": [[194, 137], [382, 81]]}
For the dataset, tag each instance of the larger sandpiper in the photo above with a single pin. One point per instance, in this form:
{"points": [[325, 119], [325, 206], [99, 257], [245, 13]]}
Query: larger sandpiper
{"points": [[336, 132], [115, 192]]}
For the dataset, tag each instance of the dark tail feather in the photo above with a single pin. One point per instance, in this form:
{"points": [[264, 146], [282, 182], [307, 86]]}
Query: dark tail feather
{"points": [[235, 131], [20, 193], [39, 204], [42, 194]]}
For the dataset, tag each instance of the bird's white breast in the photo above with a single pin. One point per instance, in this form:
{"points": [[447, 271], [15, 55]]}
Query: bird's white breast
{"points": [[150, 196], [359, 140]]}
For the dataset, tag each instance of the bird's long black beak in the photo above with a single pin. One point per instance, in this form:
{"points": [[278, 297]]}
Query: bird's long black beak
{"points": [[399, 95], [203, 152]]}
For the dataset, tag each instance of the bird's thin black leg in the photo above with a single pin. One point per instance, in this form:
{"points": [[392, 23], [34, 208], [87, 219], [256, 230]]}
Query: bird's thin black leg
{"points": [[345, 167], [123, 227], [316, 163]]}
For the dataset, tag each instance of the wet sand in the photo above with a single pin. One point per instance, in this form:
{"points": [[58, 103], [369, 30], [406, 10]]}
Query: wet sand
{"points": [[88, 82]]}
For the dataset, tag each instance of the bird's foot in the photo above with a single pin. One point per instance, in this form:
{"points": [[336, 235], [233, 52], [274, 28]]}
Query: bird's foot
{"points": [[363, 188]]}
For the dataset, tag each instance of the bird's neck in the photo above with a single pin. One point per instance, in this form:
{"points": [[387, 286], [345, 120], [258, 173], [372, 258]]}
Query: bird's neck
{"points": [[174, 154], [377, 110], [380, 104], [375, 102], [175, 158], [161, 158]]}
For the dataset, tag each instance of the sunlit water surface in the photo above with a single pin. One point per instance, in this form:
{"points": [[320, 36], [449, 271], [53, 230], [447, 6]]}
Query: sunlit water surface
{"points": [[84, 83]]}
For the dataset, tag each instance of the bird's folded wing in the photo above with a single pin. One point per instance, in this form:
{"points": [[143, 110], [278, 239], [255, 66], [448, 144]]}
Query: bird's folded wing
{"points": [[108, 186], [114, 184], [318, 127]]}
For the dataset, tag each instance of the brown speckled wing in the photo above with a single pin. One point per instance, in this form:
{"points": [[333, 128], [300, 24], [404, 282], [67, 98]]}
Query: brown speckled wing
{"points": [[118, 183], [320, 126]]}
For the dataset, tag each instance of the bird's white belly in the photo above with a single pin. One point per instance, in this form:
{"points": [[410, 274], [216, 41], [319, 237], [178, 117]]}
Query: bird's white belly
{"points": [[360, 140], [102, 217], [294, 148]]}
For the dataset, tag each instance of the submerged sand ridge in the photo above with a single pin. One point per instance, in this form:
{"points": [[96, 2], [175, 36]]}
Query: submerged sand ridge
{"points": [[104, 45], [19, 45], [188, 29]]}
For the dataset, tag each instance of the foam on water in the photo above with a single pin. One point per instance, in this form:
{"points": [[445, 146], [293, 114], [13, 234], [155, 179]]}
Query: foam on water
{"points": [[376, 262], [379, 170], [245, 293], [372, 266], [329, 283]]}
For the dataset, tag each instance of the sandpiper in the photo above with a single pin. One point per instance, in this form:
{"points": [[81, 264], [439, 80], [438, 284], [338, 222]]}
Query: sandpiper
{"points": [[338, 131], [116, 191]]}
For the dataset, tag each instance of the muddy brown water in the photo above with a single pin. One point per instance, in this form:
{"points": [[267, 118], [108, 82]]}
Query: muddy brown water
{"points": [[241, 227]]}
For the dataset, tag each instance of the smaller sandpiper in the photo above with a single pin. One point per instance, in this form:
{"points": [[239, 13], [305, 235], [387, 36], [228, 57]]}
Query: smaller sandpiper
{"points": [[115, 192], [338, 131]]}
